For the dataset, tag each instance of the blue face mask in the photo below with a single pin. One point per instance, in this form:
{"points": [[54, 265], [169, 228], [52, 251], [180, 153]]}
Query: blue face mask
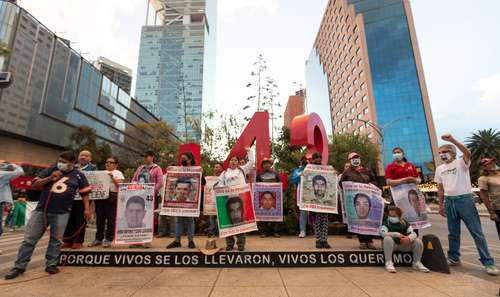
{"points": [[393, 220]]}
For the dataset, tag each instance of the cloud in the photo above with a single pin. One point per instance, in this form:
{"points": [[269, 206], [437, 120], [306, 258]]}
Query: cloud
{"points": [[229, 8], [489, 88]]}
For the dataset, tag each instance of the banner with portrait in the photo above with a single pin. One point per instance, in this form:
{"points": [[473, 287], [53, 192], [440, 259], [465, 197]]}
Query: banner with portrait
{"points": [[134, 214], [364, 208], [182, 191], [235, 210], [99, 181], [209, 208], [268, 202], [318, 189], [411, 201]]}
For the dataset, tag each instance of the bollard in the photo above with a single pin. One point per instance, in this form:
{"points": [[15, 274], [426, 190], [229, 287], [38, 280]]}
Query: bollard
{"points": [[433, 256]]}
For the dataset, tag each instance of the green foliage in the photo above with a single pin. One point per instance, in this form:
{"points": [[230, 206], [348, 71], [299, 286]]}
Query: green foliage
{"points": [[483, 144], [85, 138], [162, 141], [344, 143]]}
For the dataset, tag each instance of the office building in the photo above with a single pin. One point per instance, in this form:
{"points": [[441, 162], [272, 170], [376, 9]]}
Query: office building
{"points": [[119, 74], [176, 70], [294, 107], [55, 90], [366, 68]]}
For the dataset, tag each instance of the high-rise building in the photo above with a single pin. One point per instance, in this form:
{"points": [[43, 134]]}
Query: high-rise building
{"points": [[176, 71], [119, 74], [294, 107], [371, 70]]}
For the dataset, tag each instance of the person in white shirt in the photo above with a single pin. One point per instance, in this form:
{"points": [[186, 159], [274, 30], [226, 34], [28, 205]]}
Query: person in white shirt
{"points": [[457, 204], [236, 175]]}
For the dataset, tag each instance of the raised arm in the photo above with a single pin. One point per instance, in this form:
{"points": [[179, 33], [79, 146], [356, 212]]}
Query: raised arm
{"points": [[461, 147], [251, 161]]}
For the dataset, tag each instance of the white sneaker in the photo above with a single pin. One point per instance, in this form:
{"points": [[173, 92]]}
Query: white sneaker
{"points": [[302, 234], [491, 270], [389, 266], [420, 267]]}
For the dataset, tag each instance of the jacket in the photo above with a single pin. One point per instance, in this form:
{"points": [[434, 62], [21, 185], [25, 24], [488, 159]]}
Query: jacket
{"points": [[155, 176], [5, 178]]}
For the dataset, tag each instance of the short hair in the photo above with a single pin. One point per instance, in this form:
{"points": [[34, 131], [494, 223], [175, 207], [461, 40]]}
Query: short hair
{"points": [[359, 195], [450, 147], [115, 158], [190, 156], [184, 180], [267, 192], [136, 200], [219, 163], [412, 191], [319, 177], [396, 209], [234, 199], [317, 155], [68, 156]]}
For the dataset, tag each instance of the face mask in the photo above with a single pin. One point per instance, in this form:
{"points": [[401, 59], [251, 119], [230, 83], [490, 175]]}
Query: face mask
{"points": [[397, 156], [184, 163], [393, 220], [356, 162], [62, 166], [445, 157]]}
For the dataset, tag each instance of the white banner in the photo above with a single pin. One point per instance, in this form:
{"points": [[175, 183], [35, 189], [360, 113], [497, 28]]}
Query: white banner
{"points": [[318, 189], [411, 201], [209, 208], [99, 181]]}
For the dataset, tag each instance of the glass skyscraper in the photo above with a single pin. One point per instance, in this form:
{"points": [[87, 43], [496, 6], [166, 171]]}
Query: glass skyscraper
{"points": [[369, 51], [176, 71]]}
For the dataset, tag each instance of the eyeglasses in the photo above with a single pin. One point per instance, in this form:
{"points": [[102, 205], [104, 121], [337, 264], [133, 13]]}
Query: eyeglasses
{"points": [[110, 162]]}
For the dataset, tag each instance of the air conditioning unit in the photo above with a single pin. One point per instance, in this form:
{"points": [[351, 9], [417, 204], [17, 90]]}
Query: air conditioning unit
{"points": [[5, 79]]}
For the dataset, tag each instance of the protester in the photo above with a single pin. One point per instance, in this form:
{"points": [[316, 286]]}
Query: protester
{"points": [[398, 235], [74, 235], [187, 159], [295, 180], [236, 175], [106, 208], [268, 175], [457, 204], [212, 220], [489, 184], [359, 174], [150, 173], [8, 172], [60, 184]]}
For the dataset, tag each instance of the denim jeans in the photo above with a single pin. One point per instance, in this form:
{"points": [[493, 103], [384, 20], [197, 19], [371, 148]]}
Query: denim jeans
{"points": [[180, 222], [37, 224], [462, 208], [212, 225], [303, 220]]}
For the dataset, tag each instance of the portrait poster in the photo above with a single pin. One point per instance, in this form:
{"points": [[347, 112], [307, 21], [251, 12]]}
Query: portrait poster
{"points": [[182, 191], [99, 181], [318, 189], [268, 202], [209, 207], [364, 208], [134, 214], [235, 210], [411, 201]]}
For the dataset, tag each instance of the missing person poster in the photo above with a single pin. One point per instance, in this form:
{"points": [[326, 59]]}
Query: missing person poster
{"points": [[235, 211], [182, 191], [318, 189], [99, 181], [268, 202], [209, 207], [134, 214], [412, 203], [364, 208]]}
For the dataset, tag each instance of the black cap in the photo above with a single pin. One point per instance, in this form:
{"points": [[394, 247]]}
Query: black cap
{"points": [[148, 153]]}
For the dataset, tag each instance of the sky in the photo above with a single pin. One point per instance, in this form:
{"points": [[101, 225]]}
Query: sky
{"points": [[459, 44]]}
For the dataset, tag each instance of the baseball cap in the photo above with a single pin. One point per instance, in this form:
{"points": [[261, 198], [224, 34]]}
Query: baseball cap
{"points": [[487, 161], [353, 155]]}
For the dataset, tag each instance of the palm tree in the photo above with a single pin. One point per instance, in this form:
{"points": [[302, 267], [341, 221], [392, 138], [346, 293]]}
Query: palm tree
{"points": [[483, 143]]}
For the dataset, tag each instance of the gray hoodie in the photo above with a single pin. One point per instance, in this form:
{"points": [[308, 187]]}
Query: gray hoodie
{"points": [[5, 177]]}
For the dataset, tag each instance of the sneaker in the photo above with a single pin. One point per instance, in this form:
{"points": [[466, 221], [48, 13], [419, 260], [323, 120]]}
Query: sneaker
{"points": [[326, 245], [106, 244], [389, 266], [174, 244], [66, 245], [491, 270], [319, 244], [262, 235], [52, 270], [13, 273], [420, 267], [229, 248], [371, 246], [76, 246], [452, 262], [241, 248], [302, 234], [363, 246], [191, 245], [276, 235], [95, 243]]}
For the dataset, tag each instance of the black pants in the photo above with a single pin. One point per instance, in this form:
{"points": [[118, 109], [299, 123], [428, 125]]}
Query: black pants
{"points": [[365, 238], [498, 223], [105, 217], [268, 228], [75, 230]]}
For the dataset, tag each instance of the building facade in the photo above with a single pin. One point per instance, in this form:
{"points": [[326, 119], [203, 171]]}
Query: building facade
{"points": [[176, 71], [372, 69], [118, 74], [54, 90], [294, 107]]}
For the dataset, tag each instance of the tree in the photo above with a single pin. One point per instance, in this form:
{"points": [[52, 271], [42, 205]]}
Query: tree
{"points": [[482, 144], [162, 141], [85, 138], [344, 143]]}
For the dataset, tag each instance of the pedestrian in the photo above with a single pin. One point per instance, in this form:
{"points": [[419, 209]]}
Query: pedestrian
{"points": [[59, 183], [8, 172], [457, 204], [268, 175], [295, 180], [106, 208], [359, 174], [149, 173], [398, 235], [489, 184], [187, 160], [74, 235], [212, 220], [235, 175]]}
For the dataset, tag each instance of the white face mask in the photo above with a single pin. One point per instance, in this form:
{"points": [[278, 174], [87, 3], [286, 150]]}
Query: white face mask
{"points": [[62, 166], [397, 156], [446, 157], [356, 162], [393, 220]]}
